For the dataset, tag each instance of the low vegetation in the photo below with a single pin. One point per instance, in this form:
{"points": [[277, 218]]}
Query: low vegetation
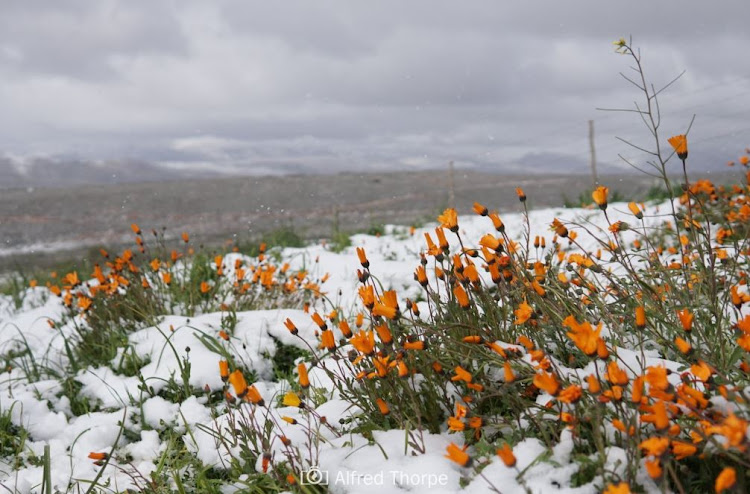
{"points": [[628, 343]]}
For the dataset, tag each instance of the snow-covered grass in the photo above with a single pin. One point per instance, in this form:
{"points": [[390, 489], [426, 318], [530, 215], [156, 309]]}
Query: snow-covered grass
{"points": [[602, 349], [148, 376]]}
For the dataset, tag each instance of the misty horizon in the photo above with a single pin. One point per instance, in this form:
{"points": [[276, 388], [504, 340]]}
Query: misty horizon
{"points": [[113, 92]]}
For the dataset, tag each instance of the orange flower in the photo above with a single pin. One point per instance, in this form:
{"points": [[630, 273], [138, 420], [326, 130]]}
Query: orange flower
{"points": [[364, 342], [456, 424], [619, 425], [319, 321], [327, 340], [653, 467], [546, 382], [656, 377], [185, 237], [614, 393], [686, 319], [363, 257], [458, 455], [559, 228], [654, 446], [224, 370], [84, 303], [403, 370], [521, 194], [290, 326], [506, 454], [594, 385], [682, 345], [71, 279], [304, 379], [155, 264], [497, 222], [136, 229], [683, 450], [523, 313], [345, 329], [491, 242], [420, 275], [461, 375], [701, 370], [571, 394], [658, 417], [480, 210], [600, 196], [384, 311], [725, 480], [414, 345], [691, 397], [679, 143], [637, 389], [508, 371], [390, 299], [367, 294], [635, 210], [384, 334], [583, 335], [449, 220], [526, 342], [382, 406], [442, 241], [621, 488], [237, 380], [734, 429], [98, 456], [461, 296], [254, 396], [640, 317], [615, 375], [601, 349], [432, 249]]}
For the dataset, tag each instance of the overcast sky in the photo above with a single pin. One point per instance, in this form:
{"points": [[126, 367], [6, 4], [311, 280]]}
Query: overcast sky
{"points": [[107, 88]]}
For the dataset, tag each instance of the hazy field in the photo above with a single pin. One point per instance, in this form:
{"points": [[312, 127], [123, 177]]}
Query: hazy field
{"points": [[52, 224]]}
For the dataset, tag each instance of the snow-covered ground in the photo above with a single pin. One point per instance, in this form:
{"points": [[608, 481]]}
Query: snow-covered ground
{"points": [[352, 462]]}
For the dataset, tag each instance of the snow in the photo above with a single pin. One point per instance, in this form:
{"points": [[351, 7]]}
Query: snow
{"points": [[354, 464]]}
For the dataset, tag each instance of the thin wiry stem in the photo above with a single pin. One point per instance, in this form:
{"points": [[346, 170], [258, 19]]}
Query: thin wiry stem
{"points": [[637, 167], [656, 93], [629, 110], [631, 81], [635, 146]]}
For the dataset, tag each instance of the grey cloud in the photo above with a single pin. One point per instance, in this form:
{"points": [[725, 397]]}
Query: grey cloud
{"points": [[78, 38], [152, 90]]}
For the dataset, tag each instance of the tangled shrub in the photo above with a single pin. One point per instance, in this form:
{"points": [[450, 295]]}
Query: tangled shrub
{"points": [[631, 339]]}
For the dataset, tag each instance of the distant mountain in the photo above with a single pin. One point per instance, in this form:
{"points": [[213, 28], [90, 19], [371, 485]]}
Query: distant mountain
{"points": [[61, 172]]}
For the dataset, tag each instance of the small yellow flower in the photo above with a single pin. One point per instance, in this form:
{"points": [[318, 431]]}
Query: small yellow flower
{"points": [[621, 46]]}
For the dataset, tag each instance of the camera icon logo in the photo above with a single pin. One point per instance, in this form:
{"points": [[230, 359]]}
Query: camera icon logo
{"points": [[314, 476]]}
